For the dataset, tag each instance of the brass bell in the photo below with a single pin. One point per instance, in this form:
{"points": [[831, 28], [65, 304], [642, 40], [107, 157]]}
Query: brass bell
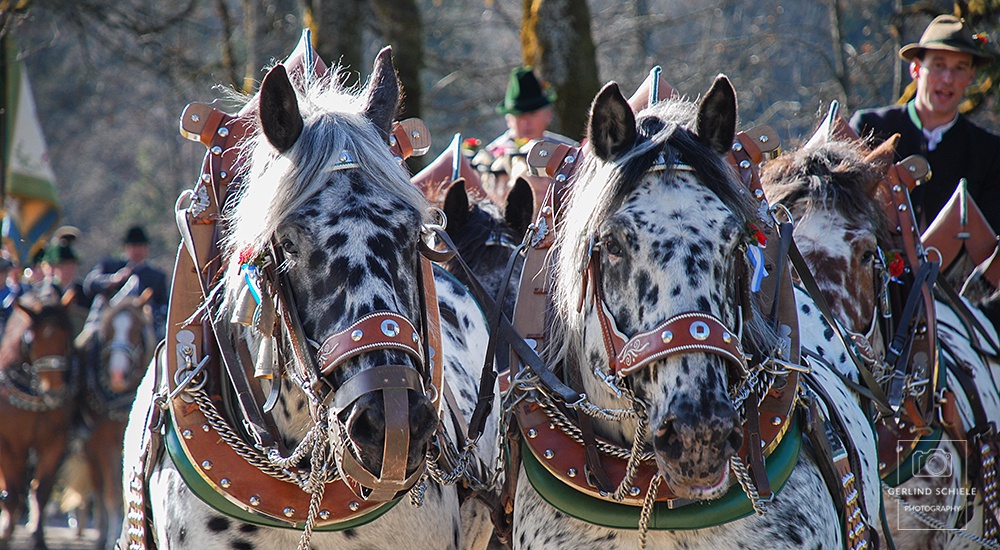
{"points": [[243, 313]]}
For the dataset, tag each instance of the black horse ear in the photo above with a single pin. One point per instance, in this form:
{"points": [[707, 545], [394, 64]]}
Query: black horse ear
{"points": [[520, 207], [279, 110], [456, 205], [383, 93], [611, 129], [717, 116]]}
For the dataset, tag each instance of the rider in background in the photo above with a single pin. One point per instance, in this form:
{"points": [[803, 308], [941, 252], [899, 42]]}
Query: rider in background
{"points": [[59, 265], [943, 64], [110, 274], [527, 109]]}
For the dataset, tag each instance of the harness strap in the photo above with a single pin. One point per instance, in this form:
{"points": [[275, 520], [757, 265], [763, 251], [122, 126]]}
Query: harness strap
{"points": [[837, 459], [878, 397], [250, 407], [137, 532], [897, 352]]}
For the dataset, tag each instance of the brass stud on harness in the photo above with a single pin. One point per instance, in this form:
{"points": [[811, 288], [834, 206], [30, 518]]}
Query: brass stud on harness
{"points": [[216, 150], [726, 337], [223, 174], [897, 188], [903, 208], [356, 335], [634, 491], [543, 153], [205, 428], [289, 512], [570, 159], [186, 434], [571, 472], [207, 464], [390, 328], [225, 482], [560, 178], [758, 193], [254, 500], [532, 433], [763, 139], [700, 330], [744, 164], [667, 336], [415, 134], [354, 506], [737, 146], [324, 514], [195, 117], [775, 420], [206, 177], [548, 454], [223, 131]]}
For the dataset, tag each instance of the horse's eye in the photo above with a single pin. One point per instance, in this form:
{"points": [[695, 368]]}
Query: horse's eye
{"points": [[868, 256], [289, 247], [612, 246]]}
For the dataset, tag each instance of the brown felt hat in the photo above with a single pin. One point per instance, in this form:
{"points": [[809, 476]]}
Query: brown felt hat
{"points": [[949, 33]]}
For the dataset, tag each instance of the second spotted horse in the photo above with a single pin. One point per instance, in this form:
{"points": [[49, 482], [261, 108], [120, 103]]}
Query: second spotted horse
{"points": [[642, 421]]}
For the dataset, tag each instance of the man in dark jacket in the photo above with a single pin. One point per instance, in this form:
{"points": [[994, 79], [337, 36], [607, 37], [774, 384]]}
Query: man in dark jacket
{"points": [[943, 64], [110, 274]]}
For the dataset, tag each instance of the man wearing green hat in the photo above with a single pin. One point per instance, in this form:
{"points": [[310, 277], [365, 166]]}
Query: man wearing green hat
{"points": [[527, 109], [942, 65]]}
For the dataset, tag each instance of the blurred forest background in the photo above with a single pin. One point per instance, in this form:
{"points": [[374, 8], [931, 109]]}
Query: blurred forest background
{"points": [[111, 77]]}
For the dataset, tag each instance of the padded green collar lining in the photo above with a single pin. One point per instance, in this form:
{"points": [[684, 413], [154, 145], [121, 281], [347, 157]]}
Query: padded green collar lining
{"points": [[731, 506]]}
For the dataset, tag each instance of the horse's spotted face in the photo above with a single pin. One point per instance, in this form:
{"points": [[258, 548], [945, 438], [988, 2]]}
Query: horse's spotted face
{"points": [[344, 221], [830, 188], [669, 240], [843, 257]]}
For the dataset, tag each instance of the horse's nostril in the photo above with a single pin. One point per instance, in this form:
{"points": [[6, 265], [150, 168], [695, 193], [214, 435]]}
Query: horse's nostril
{"points": [[667, 440]]}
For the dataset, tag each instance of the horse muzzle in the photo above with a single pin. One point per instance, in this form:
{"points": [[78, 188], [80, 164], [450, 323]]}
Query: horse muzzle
{"points": [[389, 424], [693, 452]]}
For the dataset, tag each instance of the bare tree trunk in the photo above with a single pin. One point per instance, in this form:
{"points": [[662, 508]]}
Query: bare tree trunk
{"points": [[399, 23], [251, 26], [839, 64], [228, 59], [337, 28], [556, 40]]}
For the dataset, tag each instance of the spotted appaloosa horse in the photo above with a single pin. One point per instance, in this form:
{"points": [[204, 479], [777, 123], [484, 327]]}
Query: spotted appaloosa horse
{"points": [[37, 401], [486, 236], [668, 227], [115, 350], [830, 186], [348, 233]]}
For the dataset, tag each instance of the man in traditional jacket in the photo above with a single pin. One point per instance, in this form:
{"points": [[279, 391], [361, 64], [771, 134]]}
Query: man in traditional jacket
{"points": [[943, 64], [110, 274], [527, 109]]}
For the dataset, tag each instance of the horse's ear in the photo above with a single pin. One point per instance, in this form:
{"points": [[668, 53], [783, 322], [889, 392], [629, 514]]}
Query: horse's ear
{"points": [[279, 110], [383, 93], [456, 205], [885, 153], [716, 122], [520, 207], [611, 129], [144, 297]]}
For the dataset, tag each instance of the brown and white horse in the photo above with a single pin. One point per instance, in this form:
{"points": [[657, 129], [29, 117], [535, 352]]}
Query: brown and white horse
{"points": [[834, 189], [36, 404]]}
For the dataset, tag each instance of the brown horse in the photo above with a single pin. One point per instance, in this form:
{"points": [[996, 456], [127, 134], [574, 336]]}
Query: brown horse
{"points": [[37, 401], [115, 349]]}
